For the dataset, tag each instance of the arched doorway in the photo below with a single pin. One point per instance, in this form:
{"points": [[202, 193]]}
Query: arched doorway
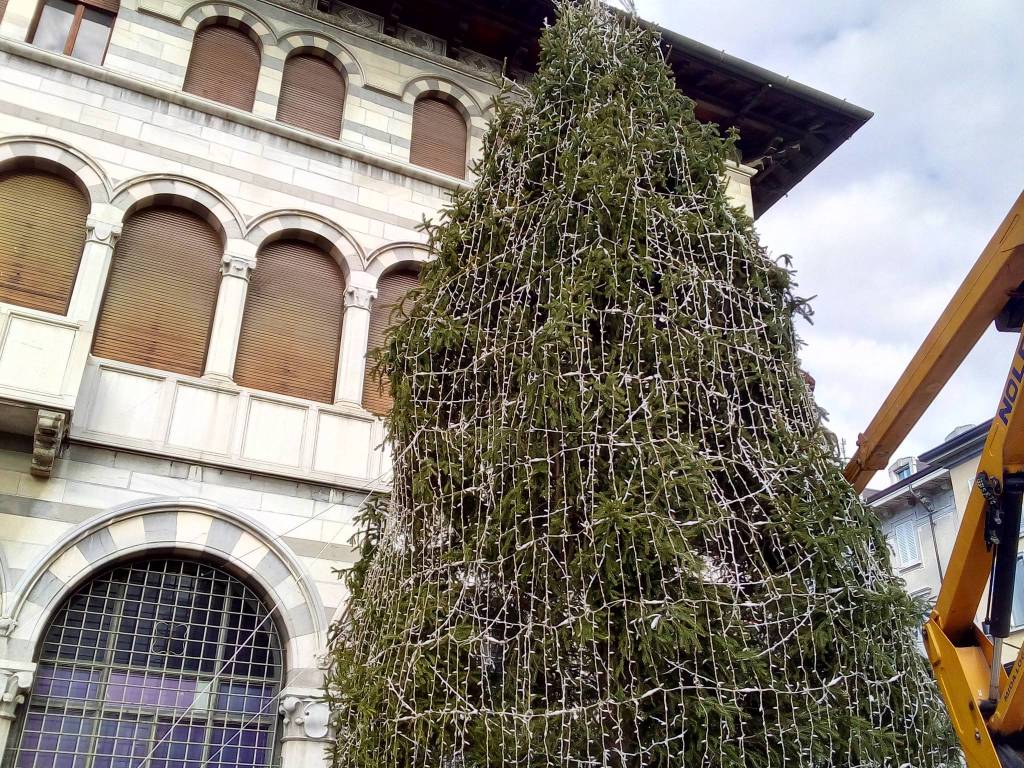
{"points": [[165, 662]]}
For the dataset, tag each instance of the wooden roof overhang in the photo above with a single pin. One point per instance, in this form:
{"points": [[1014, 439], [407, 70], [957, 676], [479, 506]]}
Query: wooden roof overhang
{"points": [[786, 129]]}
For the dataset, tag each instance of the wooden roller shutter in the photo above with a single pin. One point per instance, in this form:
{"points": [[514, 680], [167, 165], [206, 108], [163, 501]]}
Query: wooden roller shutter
{"points": [[110, 6], [291, 329], [312, 95], [438, 137], [392, 292], [162, 292], [3, 7], [224, 66], [42, 234]]}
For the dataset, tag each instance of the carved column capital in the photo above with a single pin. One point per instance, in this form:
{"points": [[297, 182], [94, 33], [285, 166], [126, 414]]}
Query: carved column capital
{"points": [[305, 717], [14, 684], [235, 265], [102, 232], [359, 297]]}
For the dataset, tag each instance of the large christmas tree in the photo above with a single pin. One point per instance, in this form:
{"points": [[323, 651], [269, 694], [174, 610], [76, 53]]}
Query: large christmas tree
{"points": [[618, 535]]}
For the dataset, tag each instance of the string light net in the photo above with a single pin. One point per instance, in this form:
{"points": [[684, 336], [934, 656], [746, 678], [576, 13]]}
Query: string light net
{"points": [[618, 535]]}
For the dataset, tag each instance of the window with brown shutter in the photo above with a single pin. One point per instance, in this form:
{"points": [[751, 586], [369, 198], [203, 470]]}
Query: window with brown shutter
{"points": [[161, 293], [42, 234], [291, 328], [392, 292], [438, 137], [312, 95], [224, 66]]}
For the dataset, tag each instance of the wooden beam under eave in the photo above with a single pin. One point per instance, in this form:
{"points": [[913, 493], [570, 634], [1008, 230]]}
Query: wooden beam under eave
{"points": [[998, 271]]}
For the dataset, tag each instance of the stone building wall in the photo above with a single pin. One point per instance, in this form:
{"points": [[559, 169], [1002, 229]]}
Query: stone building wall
{"points": [[128, 461]]}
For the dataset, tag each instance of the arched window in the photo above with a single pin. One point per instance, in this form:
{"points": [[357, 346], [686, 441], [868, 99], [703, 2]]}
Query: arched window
{"points": [[439, 137], [224, 66], [42, 234], [392, 292], [161, 293], [158, 663], [312, 95], [291, 328]]}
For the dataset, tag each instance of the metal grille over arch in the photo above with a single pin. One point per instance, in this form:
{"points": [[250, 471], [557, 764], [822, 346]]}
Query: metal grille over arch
{"points": [[161, 662]]}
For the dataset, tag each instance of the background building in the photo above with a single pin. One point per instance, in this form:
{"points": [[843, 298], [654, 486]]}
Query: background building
{"points": [[208, 211], [921, 513]]}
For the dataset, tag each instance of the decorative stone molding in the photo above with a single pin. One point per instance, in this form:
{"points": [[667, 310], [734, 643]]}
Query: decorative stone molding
{"points": [[357, 17], [237, 266], [305, 718], [443, 88], [186, 526], [421, 40], [50, 428], [50, 154], [232, 15], [339, 55], [197, 197], [308, 228], [102, 232], [359, 297], [7, 625], [480, 63], [15, 684]]}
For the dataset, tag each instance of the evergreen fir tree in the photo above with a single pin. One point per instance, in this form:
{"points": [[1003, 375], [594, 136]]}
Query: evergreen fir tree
{"points": [[617, 535]]}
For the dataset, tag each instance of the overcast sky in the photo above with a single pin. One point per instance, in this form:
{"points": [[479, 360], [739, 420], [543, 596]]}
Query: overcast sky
{"points": [[885, 229]]}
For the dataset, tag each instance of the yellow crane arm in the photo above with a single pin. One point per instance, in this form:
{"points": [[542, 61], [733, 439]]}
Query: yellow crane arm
{"points": [[998, 272], [986, 706]]}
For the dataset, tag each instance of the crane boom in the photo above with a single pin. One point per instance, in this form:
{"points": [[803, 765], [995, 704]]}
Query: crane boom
{"points": [[996, 274], [986, 706]]}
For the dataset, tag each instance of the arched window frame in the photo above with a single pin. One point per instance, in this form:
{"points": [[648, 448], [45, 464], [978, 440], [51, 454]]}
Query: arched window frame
{"points": [[125, 681], [446, 90], [328, 250], [176, 191], [338, 66], [23, 165], [376, 389], [248, 25]]}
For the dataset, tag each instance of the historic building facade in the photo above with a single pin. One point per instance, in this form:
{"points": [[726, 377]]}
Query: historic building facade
{"points": [[208, 211]]}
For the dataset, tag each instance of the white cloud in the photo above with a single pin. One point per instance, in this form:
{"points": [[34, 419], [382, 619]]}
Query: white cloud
{"points": [[885, 229]]}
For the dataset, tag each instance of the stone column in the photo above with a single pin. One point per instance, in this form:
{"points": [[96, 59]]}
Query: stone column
{"points": [[355, 333], [306, 731], [100, 238], [227, 318], [15, 685]]}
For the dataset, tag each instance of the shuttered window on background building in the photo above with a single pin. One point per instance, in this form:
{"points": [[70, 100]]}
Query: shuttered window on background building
{"points": [[42, 234], [312, 95], [161, 293], [438, 137], [392, 292], [291, 328], [224, 66]]}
